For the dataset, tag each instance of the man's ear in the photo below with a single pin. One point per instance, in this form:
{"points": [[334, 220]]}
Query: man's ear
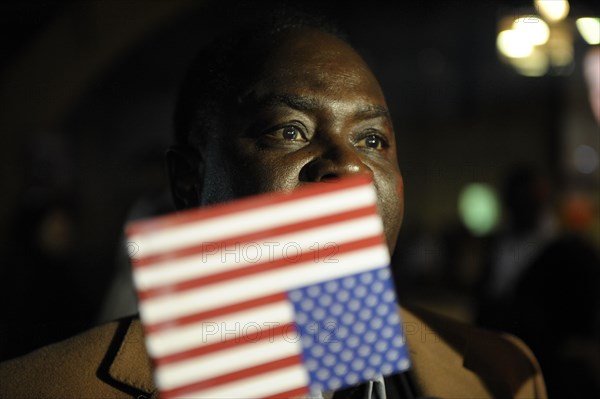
{"points": [[186, 176]]}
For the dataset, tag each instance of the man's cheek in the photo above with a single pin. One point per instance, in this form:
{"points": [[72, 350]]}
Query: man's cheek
{"points": [[400, 186], [281, 174], [391, 204], [264, 176], [400, 197]]}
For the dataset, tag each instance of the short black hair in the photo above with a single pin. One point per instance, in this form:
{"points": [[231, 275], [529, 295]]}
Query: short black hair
{"points": [[213, 76]]}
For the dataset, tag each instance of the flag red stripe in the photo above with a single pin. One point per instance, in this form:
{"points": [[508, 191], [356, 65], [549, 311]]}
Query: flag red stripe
{"points": [[260, 268], [258, 235], [246, 204], [197, 317], [292, 393], [235, 376], [268, 333]]}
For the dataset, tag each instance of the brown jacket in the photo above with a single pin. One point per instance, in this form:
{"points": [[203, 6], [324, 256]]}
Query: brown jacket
{"points": [[450, 360]]}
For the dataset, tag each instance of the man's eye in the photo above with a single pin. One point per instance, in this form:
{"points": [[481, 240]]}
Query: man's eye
{"points": [[373, 141], [288, 133]]}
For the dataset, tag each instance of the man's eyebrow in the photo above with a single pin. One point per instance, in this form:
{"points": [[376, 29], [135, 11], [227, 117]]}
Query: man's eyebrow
{"points": [[310, 104], [373, 111], [296, 102]]}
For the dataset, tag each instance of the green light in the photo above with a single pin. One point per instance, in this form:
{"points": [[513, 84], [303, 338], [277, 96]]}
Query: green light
{"points": [[478, 208]]}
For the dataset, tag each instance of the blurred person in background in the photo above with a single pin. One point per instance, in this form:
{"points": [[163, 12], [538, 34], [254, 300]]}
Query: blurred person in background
{"points": [[556, 303], [542, 283], [527, 231]]}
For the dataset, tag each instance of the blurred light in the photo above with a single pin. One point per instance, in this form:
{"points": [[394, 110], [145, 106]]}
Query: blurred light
{"points": [[561, 56], [536, 64], [560, 48], [591, 66], [512, 45], [585, 159], [589, 28], [552, 10], [478, 208], [532, 29], [577, 211]]}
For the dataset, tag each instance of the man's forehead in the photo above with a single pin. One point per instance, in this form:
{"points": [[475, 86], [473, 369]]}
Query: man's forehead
{"points": [[307, 77], [362, 108], [310, 71]]}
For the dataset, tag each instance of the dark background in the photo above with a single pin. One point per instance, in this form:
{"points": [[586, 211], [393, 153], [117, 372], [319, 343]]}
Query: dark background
{"points": [[86, 99]]}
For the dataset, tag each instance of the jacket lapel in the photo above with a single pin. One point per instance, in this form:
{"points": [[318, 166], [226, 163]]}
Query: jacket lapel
{"points": [[131, 365], [438, 360]]}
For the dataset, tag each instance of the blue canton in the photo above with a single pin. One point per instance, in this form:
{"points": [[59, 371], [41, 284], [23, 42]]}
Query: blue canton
{"points": [[350, 330]]}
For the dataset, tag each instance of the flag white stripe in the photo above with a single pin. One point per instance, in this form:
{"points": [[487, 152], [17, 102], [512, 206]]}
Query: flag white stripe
{"points": [[266, 384], [247, 221], [234, 257], [236, 290], [226, 361], [230, 326]]}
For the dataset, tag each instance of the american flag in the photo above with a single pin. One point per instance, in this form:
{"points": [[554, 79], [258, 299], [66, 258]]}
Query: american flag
{"points": [[277, 295]]}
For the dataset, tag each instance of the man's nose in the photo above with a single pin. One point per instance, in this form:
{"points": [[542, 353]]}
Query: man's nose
{"points": [[333, 162]]}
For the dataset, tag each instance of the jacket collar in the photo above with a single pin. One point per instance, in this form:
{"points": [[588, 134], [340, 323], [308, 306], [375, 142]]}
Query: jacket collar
{"points": [[131, 365]]}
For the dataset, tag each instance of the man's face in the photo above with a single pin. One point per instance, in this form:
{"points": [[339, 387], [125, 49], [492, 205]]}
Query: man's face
{"points": [[311, 112]]}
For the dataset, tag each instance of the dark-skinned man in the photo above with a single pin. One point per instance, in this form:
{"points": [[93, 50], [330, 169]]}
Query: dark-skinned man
{"points": [[274, 109]]}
